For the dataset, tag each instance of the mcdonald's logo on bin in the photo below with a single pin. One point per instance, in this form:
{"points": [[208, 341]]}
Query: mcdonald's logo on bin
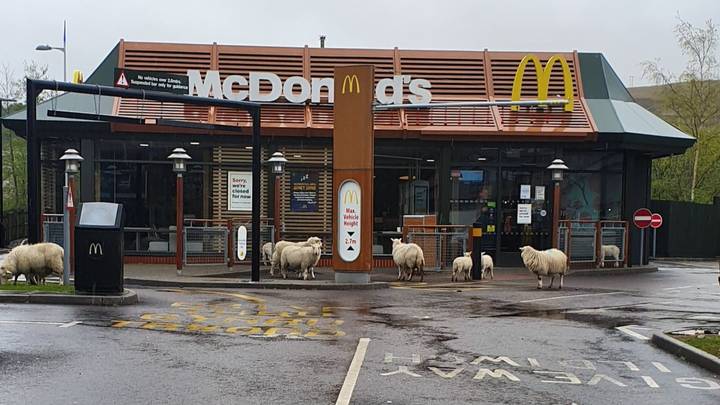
{"points": [[352, 83], [95, 249], [543, 79]]}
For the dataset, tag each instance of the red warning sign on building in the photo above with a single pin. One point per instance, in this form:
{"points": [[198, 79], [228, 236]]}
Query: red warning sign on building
{"points": [[121, 80]]}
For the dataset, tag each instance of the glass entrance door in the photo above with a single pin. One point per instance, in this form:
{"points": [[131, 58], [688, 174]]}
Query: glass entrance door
{"points": [[526, 211]]}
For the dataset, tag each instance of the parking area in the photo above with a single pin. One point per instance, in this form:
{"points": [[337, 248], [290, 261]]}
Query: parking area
{"points": [[500, 342]]}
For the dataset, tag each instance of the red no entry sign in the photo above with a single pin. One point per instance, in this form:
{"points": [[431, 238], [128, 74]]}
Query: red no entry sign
{"points": [[642, 218], [656, 220]]}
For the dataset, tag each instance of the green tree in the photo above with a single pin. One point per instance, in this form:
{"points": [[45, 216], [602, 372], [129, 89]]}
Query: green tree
{"points": [[691, 101], [14, 148]]}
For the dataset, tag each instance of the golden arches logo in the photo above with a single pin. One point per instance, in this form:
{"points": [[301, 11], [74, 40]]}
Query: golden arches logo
{"points": [[351, 196], [95, 249], [351, 83], [543, 79]]}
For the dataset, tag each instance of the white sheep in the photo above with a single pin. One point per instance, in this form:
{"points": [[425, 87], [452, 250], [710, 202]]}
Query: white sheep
{"points": [[611, 251], [301, 258], [551, 262], [267, 251], [486, 266], [409, 258], [462, 264], [34, 261], [280, 246]]}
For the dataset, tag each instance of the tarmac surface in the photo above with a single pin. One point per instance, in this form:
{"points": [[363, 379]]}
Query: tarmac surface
{"points": [[500, 341]]}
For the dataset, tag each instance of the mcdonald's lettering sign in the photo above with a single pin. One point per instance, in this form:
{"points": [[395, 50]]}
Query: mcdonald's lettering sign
{"points": [[352, 83], [543, 78], [349, 197]]}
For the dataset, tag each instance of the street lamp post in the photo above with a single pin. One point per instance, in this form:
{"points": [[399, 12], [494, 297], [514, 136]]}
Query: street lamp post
{"points": [[2, 181], [557, 168], [72, 166], [179, 156], [62, 49], [277, 166]]}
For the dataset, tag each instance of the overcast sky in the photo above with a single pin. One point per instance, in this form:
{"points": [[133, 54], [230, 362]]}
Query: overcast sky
{"points": [[626, 31]]}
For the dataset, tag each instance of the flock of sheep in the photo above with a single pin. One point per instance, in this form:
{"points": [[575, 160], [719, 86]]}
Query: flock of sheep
{"points": [[40, 260], [409, 258]]}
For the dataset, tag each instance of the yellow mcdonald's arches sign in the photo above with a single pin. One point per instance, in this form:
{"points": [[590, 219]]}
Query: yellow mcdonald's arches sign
{"points": [[352, 83], [351, 197], [543, 79], [77, 76]]}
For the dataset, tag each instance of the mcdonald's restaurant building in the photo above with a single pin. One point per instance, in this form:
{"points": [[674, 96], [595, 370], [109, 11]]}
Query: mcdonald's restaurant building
{"points": [[463, 165]]}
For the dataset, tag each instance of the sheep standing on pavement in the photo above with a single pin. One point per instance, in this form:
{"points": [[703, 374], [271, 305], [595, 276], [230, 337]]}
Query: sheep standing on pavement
{"points": [[486, 266], [408, 257], [609, 251], [267, 251], [551, 262], [280, 246], [301, 258], [34, 261], [462, 264]]}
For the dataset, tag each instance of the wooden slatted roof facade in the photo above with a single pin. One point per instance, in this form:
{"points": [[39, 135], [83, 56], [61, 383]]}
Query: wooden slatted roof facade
{"points": [[454, 75]]}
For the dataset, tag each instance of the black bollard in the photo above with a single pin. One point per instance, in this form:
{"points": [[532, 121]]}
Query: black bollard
{"points": [[476, 251]]}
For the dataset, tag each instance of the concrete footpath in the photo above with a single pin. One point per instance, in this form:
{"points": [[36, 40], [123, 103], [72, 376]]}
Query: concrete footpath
{"points": [[219, 276]]}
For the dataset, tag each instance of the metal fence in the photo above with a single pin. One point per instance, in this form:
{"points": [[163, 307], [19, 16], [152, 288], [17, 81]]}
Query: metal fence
{"points": [[613, 233], [205, 242], [140, 241], [53, 229], [582, 241], [440, 244], [14, 226]]}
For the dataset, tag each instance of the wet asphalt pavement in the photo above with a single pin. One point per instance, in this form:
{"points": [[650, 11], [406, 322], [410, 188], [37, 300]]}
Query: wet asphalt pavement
{"points": [[497, 342]]}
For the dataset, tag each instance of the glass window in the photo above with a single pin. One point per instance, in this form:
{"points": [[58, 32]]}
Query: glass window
{"points": [[591, 196]]}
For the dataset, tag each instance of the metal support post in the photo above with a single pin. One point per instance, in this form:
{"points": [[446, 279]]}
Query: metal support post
{"points": [[556, 214], [179, 224], [255, 273], [66, 233]]}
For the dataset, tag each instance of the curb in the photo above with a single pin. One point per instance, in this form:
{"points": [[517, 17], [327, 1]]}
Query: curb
{"points": [[613, 271], [687, 352], [313, 285], [129, 297]]}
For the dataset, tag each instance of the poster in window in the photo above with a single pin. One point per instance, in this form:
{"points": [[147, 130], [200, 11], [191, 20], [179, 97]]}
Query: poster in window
{"points": [[524, 191], [524, 214], [239, 191], [304, 191], [540, 193]]}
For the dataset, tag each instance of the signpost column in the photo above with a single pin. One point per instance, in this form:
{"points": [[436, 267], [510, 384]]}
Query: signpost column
{"points": [[353, 164], [641, 219], [656, 221]]}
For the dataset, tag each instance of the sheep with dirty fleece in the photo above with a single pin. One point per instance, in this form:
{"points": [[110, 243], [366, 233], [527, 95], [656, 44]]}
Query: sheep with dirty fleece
{"points": [[462, 265], [551, 262], [267, 252], [34, 261], [280, 246], [408, 258], [300, 258], [486, 266], [609, 251]]}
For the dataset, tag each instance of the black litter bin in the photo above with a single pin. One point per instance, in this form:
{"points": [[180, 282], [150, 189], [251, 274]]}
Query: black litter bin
{"points": [[99, 248]]}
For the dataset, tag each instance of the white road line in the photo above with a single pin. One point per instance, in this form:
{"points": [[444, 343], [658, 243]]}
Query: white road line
{"points": [[678, 288], [625, 329], [70, 324], [660, 367], [573, 296], [353, 372], [31, 323]]}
